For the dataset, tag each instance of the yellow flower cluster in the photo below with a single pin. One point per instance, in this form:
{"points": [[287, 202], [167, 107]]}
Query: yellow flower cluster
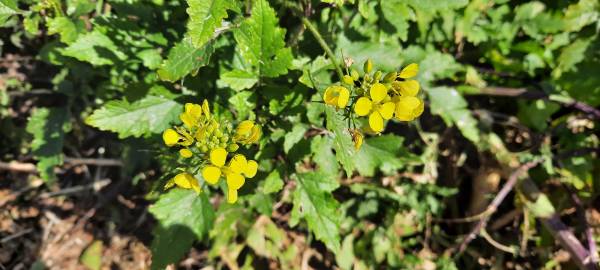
{"points": [[380, 99], [204, 138]]}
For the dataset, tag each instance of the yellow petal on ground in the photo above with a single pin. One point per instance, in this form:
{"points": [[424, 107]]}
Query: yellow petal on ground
{"points": [[235, 181], [378, 92], [387, 110], [170, 137], [232, 195], [185, 153], [409, 88], [218, 156], [344, 96], [211, 174], [363, 106], [409, 71], [238, 164], [251, 168], [194, 110], [376, 122], [407, 108]]}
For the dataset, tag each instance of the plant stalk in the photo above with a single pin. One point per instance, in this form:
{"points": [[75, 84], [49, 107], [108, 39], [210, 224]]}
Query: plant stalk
{"points": [[324, 45]]}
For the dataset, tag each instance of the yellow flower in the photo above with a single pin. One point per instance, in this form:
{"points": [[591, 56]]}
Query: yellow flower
{"points": [[357, 138], [235, 172], [184, 180], [409, 71], [336, 95], [408, 108], [375, 107], [191, 116], [170, 137], [205, 108], [217, 158], [247, 132], [185, 153]]}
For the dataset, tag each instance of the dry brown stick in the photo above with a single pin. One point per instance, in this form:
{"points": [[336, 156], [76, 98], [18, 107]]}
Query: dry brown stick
{"points": [[508, 186], [535, 94], [560, 231], [589, 234]]}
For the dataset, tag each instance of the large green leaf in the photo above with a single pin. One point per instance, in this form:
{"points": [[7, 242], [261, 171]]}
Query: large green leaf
{"points": [[318, 207], [385, 152], [452, 107], [7, 9], [151, 114], [94, 48], [183, 59], [183, 218], [64, 27], [48, 127], [342, 141], [261, 42], [205, 17]]}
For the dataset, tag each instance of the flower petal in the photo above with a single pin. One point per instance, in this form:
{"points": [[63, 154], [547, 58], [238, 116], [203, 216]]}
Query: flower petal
{"points": [[363, 106], [244, 128], [409, 88], [170, 137], [218, 156], [232, 195], [387, 110], [235, 181], [343, 98], [238, 163], [330, 96], [251, 168], [211, 174], [409, 71], [378, 92], [194, 110], [205, 108], [187, 120], [376, 122], [406, 108], [185, 153], [184, 180]]}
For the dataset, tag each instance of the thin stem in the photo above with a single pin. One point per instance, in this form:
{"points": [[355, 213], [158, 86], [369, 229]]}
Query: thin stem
{"points": [[324, 45]]}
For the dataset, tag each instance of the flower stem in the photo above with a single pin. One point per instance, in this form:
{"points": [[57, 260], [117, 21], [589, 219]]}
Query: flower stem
{"points": [[323, 44]]}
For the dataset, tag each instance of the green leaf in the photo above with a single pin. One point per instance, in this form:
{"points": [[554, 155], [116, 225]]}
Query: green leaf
{"points": [[386, 56], [324, 158], [183, 218], [317, 75], [452, 107], [239, 79], [293, 137], [582, 13], [244, 102], [150, 58], [205, 17], [151, 114], [261, 42], [437, 4], [570, 56], [273, 183], [385, 152], [398, 14], [7, 9], [48, 127], [92, 256], [318, 208], [345, 259], [94, 48], [64, 27], [183, 59], [342, 141]]}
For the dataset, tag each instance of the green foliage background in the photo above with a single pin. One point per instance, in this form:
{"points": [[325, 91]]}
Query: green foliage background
{"points": [[116, 73]]}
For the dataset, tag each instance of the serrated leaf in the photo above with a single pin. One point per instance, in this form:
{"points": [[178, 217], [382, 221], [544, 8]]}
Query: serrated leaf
{"points": [[94, 48], [48, 127], [239, 79], [183, 218], [293, 137], [452, 107], [385, 152], [205, 17], [324, 158], [149, 115], [64, 27], [261, 42], [342, 141], [318, 208], [7, 9], [398, 14], [184, 59], [273, 183]]}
